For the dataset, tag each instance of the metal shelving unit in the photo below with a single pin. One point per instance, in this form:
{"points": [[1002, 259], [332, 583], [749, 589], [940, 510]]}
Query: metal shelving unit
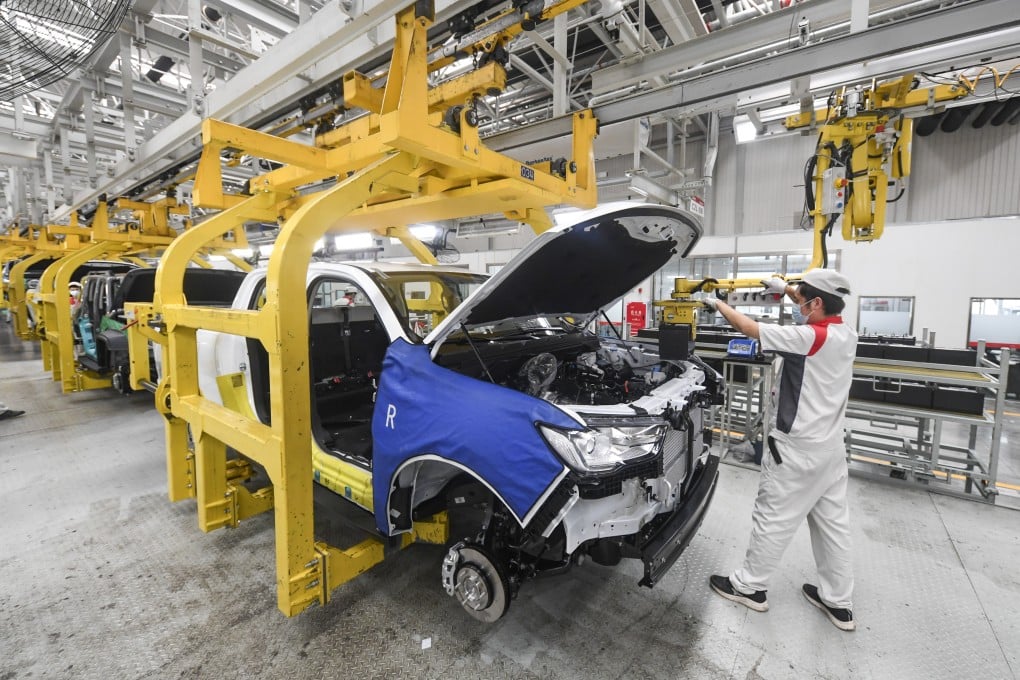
{"points": [[744, 417], [904, 443], [908, 443]]}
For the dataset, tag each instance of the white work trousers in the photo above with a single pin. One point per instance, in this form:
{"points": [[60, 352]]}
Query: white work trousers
{"points": [[810, 482]]}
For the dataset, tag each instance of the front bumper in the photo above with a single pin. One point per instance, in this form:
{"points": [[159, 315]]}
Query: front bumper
{"points": [[663, 547]]}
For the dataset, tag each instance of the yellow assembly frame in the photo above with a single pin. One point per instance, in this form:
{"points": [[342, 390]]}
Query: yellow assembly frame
{"points": [[145, 234], [40, 246], [12, 247], [397, 165], [99, 241]]}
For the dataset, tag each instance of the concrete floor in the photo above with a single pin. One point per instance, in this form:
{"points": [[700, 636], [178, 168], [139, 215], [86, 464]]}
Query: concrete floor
{"points": [[102, 577]]}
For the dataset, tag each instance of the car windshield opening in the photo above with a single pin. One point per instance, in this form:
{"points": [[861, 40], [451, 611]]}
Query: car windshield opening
{"points": [[422, 299]]}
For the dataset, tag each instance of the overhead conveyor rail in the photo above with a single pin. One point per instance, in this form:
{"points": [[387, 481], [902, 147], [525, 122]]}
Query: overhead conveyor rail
{"points": [[923, 42], [38, 245], [415, 157]]}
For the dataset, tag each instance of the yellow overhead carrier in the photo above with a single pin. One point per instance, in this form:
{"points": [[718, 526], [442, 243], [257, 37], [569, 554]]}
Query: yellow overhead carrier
{"points": [[144, 233], [13, 246], [42, 245], [149, 228], [415, 156]]}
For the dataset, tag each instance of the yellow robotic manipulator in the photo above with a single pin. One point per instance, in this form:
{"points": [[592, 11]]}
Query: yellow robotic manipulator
{"points": [[684, 302], [864, 146]]}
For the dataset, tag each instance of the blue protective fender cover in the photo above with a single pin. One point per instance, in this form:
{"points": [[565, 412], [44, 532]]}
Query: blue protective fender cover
{"points": [[424, 409]]}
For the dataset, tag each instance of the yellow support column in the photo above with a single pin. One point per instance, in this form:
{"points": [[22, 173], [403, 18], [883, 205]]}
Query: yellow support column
{"points": [[44, 309], [16, 291], [215, 506], [298, 584], [60, 333], [180, 355]]}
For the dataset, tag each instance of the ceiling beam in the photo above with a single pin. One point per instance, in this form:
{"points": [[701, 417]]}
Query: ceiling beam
{"points": [[314, 55], [101, 61], [265, 14], [936, 39], [677, 19], [740, 37], [161, 42]]}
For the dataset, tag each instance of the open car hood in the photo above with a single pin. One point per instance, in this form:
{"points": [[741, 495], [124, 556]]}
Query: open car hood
{"points": [[578, 268]]}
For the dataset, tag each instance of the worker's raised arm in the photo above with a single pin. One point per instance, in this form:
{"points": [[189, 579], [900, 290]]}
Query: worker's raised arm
{"points": [[738, 320]]}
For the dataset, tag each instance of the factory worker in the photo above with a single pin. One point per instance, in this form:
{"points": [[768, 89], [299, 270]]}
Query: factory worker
{"points": [[804, 471]]}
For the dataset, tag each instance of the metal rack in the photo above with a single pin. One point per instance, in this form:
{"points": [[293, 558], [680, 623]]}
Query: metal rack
{"points": [[744, 416], [886, 441], [908, 443]]}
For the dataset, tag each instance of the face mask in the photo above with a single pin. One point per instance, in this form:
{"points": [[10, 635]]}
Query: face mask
{"points": [[798, 316]]}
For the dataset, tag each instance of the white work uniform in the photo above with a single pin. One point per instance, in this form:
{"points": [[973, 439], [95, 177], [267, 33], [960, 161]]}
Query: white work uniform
{"points": [[807, 429]]}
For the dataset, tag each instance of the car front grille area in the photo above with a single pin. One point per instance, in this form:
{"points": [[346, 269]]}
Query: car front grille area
{"points": [[671, 463], [611, 484], [673, 449]]}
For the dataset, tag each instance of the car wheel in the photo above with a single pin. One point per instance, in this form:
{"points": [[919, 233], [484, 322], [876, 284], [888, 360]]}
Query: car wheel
{"points": [[478, 584]]}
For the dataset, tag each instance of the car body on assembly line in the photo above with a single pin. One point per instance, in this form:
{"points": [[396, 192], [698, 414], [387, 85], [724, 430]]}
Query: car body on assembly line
{"points": [[435, 389]]}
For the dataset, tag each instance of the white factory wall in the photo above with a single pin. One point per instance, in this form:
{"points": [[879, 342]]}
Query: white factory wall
{"points": [[773, 180], [941, 264], [721, 207], [759, 187], [967, 173]]}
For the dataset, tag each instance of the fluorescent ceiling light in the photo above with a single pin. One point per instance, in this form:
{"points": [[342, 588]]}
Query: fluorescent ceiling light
{"points": [[349, 242], [743, 129], [51, 33], [422, 232], [649, 188]]}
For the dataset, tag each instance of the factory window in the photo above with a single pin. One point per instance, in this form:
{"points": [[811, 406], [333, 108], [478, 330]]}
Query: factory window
{"points": [[714, 267], [887, 316], [994, 320]]}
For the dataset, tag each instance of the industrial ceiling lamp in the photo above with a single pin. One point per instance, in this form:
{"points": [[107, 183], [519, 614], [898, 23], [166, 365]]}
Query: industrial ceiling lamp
{"points": [[747, 127]]}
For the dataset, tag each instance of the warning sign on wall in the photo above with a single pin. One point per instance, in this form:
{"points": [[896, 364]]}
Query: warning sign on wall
{"points": [[696, 205], [636, 313]]}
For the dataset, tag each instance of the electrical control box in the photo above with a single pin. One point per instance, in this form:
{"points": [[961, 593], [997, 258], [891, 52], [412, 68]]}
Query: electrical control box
{"points": [[834, 187]]}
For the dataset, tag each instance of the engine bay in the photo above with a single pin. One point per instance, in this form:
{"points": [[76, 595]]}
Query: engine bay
{"points": [[574, 368]]}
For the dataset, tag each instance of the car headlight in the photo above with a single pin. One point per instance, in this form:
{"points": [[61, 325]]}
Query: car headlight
{"points": [[603, 449]]}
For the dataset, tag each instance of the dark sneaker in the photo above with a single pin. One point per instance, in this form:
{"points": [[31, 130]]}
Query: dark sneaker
{"points": [[10, 413], [755, 601], [841, 618]]}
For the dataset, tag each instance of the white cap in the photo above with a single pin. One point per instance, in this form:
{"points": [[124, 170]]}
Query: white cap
{"points": [[828, 281]]}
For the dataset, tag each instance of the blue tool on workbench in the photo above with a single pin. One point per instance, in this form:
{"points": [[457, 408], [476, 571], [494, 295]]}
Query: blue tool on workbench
{"points": [[742, 347]]}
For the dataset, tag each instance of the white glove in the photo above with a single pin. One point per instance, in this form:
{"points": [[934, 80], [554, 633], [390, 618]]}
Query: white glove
{"points": [[710, 301], [775, 285]]}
